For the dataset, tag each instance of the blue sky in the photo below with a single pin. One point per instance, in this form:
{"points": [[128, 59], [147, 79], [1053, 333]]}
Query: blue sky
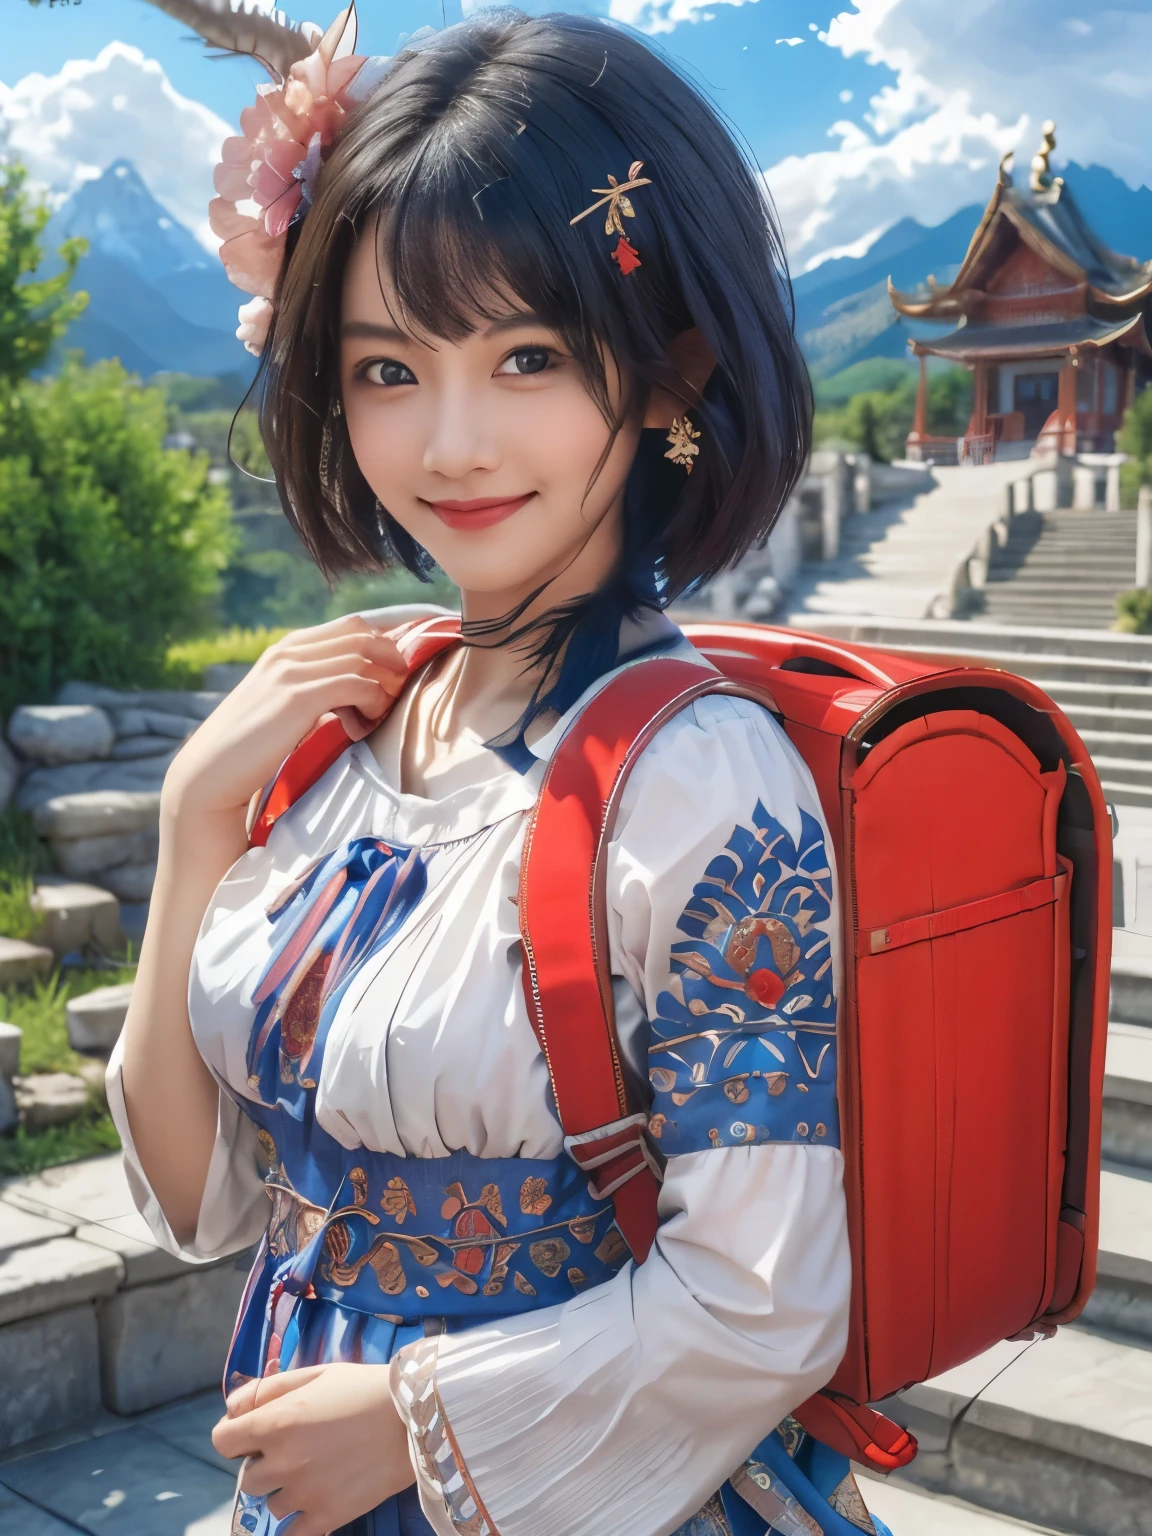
{"points": [[781, 97], [883, 109]]}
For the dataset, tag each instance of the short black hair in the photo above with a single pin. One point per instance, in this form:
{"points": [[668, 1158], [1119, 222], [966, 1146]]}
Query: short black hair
{"points": [[471, 157]]}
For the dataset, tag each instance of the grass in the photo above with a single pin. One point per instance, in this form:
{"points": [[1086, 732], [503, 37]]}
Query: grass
{"points": [[186, 661], [39, 1011], [21, 855]]}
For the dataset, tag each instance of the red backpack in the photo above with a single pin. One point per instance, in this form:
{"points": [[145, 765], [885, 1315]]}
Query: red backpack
{"points": [[973, 847]]}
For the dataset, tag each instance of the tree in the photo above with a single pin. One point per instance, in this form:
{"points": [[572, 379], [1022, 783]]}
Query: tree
{"points": [[1135, 438], [34, 314], [110, 544]]}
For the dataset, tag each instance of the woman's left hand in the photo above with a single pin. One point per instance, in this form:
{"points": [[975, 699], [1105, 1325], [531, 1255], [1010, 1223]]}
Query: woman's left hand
{"points": [[326, 1441]]}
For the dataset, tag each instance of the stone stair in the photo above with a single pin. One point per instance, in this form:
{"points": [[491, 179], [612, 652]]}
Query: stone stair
{"points": [[1061, 569], [1102, 681]]}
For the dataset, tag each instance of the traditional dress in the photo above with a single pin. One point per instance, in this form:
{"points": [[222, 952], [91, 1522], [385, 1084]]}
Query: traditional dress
{"points": [[387, 1133]]}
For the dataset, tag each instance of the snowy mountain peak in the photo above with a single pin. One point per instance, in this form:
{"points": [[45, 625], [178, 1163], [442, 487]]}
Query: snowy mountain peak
{"points": [[119, 217]]}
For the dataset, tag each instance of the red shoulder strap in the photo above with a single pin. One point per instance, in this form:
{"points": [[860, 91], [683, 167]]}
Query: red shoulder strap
{"points": [[568, 985], [418, 643]]}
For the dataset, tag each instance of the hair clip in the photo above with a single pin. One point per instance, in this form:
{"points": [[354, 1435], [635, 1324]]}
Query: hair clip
{"points": [[626, 257]]}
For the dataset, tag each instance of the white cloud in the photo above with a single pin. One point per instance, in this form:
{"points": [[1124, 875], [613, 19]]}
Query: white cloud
{"points": [[69, 127], [665, 15], [793, 42], [972, 81]]}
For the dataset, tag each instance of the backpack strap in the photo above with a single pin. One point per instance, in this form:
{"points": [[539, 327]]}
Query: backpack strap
{"points": [[418, 642], [568, 982]]}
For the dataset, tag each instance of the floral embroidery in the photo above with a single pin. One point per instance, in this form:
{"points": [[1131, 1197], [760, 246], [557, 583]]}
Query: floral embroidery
{"points": [[397, 1200], [534, 1197], [748, 1020]]}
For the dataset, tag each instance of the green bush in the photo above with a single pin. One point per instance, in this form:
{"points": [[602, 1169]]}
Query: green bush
{"points": [[1134, 612], [1135, 438], [21, 855], [111, 546]]}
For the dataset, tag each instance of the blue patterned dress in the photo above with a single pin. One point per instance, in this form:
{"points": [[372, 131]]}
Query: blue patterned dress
{"points": [[386, 1128]]}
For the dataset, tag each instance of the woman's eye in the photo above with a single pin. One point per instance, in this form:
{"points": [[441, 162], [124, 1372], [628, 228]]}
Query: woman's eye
{"points": [[526, 360], [389, 372]]}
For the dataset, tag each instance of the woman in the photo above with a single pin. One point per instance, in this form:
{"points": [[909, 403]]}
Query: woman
{"points": [[523, 318]]}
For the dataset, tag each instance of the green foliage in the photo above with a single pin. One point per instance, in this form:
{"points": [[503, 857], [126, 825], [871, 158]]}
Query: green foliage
{"points": [[33, 314], [110, 545], [39, 1011], [1134, 612], [878, 421], [21, 855], [1135, 438], [186, 392], [874, 373]]}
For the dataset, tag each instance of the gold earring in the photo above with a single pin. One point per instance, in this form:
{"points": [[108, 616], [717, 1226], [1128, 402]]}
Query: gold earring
{"points": [[683, 439]]}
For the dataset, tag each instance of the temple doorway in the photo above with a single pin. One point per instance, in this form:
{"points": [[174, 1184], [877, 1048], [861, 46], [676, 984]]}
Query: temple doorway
{"points": [[1035, 396]]}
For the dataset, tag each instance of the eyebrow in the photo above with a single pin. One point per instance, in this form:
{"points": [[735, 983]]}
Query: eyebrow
{"points": [[370, 330]]}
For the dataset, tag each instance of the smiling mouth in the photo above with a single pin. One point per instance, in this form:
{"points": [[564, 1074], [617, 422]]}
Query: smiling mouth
{"points": [[481, 513]]}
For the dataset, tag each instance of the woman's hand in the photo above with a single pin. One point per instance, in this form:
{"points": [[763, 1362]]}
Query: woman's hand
{"points": [[326, 1441], [345, 668]]}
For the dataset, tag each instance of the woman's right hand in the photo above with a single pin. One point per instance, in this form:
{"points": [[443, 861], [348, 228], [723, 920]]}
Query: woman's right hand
{"points": [[345, 668]]}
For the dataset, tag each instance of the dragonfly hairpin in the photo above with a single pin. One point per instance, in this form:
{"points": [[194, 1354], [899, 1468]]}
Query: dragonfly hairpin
{"points": [[615, 195]]}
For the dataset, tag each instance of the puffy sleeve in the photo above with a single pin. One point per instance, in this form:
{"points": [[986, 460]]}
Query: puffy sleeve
{"points": [[627, 1407]]}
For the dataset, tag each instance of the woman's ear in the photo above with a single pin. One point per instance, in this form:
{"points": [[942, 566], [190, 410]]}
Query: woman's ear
{"points": [[692, 359]]}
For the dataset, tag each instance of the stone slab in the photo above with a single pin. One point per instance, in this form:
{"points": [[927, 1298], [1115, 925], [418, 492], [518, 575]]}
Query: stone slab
{"points": [[130, 882], [78, 856], [21, 962], [61, 733], [142, 1257], [196, 702], [125, 747], [188, 1426], [10, 1037], [164, 1341], [1125, 1227], [1132, 989], [50, 1367], [95, 1189], [21, 1229], [52, 1275], [96, 1018], [19, 1518], [50, 1098], [98, 814], [912, 1511], [135, 776], [162, 722], [130, 1483], [74, 915]]}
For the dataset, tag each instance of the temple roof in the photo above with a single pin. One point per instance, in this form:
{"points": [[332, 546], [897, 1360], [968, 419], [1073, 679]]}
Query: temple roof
{"points": [[985, 341], [1045, 217]]}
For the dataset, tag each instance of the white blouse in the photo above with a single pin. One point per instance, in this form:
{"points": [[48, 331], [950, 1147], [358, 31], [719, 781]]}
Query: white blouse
{"points": [[620, 1412]]}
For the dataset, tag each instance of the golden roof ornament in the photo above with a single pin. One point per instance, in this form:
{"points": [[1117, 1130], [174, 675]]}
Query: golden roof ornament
{"points": [[1042, 179]]}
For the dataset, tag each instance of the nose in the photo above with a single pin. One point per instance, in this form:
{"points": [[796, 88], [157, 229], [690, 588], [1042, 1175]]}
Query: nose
{"points": [[460, 440]]}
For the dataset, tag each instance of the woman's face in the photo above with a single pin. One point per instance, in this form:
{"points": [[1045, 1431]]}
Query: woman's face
{"points": [[485, 450]]}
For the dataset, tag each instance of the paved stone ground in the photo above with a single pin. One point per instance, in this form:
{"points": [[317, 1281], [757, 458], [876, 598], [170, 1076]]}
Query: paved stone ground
{"points": [[157, 1475], [153, 1475]]}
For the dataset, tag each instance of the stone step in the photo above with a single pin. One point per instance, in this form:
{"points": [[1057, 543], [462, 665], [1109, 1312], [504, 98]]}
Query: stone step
{"points": [[1084, 717], [909, 1510], [1071, 695], [1132, 988], [956, 637], [1060, 1434], [88, 1303], [1121, 1304], [1122, 770], [1126, 794], [1127, 1128], [1105, 745]]}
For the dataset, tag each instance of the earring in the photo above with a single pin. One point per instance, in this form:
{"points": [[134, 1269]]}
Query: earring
{"points": [[683, 439]]}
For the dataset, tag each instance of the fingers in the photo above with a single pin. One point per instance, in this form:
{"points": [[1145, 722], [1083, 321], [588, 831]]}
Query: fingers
{"points": [[264, 1389], [341, 634]]}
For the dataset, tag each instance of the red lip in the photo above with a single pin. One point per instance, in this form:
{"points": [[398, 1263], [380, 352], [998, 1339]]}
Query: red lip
{"points": [[481, 513]]}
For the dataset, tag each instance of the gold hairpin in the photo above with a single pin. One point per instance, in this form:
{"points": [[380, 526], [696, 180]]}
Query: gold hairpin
{"points": [[626, 257]]}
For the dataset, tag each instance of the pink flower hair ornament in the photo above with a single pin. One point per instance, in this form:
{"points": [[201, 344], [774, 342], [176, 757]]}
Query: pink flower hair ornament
{"points": [[273, 163]]}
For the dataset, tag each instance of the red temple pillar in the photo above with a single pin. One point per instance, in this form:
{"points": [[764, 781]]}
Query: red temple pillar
{"points": [[919, 432], [1066, 404], [979, 424]]}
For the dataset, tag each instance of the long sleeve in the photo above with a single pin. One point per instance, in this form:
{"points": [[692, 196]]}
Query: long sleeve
{"points": [[619, 1413]]}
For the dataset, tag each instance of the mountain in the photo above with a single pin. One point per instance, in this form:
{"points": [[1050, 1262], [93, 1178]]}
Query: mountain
{"points": [[157, 299], [843, 315]]}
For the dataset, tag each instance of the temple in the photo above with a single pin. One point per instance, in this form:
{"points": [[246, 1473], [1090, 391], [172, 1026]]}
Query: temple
{"points": [[1054, 326]]}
